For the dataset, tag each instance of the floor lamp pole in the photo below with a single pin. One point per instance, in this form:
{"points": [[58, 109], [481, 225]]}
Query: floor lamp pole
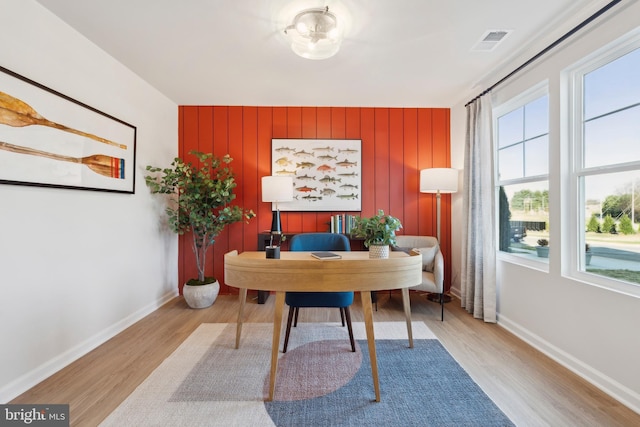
{"points": [[438, 214], [433, 296], [438, 181]]}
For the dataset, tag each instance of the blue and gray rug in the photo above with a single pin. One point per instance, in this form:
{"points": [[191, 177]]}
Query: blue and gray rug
{"points": [[320, 382]]}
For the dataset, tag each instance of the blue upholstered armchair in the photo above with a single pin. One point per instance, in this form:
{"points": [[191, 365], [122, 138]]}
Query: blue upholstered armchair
{"points": [[341, 300]]}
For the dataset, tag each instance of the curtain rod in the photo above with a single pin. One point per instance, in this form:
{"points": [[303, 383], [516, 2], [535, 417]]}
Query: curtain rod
{"points": [[548, 48]]}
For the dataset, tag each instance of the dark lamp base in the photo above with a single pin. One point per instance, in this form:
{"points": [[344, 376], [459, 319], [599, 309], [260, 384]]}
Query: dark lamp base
{"points": [[436, 298]]}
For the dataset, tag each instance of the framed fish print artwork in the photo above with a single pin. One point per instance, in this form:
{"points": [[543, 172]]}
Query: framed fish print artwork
{"points": [[48, 139], [327, 173]]}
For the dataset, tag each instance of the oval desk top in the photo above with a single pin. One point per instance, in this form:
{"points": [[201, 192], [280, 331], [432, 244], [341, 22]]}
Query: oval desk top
{"points": [[299, 271]]}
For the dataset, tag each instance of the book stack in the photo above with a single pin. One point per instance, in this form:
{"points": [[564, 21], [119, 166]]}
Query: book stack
{"points": [[342, 223]]}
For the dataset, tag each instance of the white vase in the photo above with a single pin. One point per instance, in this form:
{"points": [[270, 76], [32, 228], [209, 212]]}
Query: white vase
{"points": [[379, 251], [201, 296]]}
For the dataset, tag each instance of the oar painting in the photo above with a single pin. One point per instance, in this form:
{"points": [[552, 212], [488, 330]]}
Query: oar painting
{"points": [[49, 139]]}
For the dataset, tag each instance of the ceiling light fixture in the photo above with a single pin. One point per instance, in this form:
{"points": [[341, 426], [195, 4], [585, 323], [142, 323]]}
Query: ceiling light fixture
{"points": [[314, 34]]}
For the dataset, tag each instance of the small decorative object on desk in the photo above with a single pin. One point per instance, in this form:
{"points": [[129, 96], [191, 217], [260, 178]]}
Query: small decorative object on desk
{"points": [[325, 255], [272, 252], [378, 232]]}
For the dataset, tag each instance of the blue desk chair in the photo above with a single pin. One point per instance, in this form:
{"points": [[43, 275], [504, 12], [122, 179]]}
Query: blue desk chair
{"points": [[341, 300]]}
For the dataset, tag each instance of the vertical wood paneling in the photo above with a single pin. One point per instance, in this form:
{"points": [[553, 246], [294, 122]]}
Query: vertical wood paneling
{"points": [[310, 131], [411, 171], [367, 126], [309, 119], [265, 132], [338, 123], [220, 131], [294, 130], [232, 234], [279, 122], [205, 129], [396, 144], [426, 204], [352, 123], [396, 163], [323, 123], [250, 174], [381, 159]]}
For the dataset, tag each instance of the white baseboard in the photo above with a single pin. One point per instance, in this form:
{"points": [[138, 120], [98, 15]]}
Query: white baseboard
{"points": [[44, 371], [623, 394]]}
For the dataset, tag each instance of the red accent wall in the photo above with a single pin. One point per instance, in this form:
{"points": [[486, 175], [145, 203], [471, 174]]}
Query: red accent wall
{"points": [[396, 144]]}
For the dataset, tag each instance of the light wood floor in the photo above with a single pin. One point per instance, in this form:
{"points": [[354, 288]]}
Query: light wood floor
{"points": [[528, 386]]}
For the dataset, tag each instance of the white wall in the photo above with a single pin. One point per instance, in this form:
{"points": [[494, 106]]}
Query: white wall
{"points": [[592, 331], [77, 267]]}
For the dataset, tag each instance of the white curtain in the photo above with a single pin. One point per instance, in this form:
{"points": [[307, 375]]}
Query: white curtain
{"points": [[478, 248]]}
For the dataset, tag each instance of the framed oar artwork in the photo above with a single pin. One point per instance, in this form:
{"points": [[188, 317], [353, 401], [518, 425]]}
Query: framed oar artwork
{"points": [[327, 173], [52, 140]]}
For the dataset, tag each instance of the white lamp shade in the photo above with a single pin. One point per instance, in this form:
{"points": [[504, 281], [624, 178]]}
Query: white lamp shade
{"points": [[443, 180], [277, 189]]}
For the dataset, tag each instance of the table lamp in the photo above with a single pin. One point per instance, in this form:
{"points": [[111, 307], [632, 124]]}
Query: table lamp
{"points": [[276, 189]]}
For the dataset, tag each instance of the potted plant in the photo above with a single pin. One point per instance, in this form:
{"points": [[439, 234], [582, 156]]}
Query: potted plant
{"points": [[543, 248], [200, 199], [378, 232], [587, 254]]}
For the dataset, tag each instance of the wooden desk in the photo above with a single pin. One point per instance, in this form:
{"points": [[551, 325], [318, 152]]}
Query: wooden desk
{"points": [[299, 271], [356, 243]]}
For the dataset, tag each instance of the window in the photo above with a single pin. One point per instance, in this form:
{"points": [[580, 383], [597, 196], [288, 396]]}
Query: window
{"points": [[522, 144], [606, 148]]}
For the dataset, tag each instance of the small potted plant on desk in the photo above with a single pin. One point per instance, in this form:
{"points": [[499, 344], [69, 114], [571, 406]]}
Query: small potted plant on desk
{"points": [[199, 201], [378, 232], [543, 248]]}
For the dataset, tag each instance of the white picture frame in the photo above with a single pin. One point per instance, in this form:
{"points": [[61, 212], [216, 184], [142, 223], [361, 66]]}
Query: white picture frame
{"points": [[327, 173]]}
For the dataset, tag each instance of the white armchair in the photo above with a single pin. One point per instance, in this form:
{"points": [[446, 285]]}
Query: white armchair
{"points": [[432, 263]]}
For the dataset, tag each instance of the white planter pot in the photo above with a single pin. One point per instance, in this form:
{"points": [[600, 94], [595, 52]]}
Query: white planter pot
{"points": [[201, 296], [378, 251]]}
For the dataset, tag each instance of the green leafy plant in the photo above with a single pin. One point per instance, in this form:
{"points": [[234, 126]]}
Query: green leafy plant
{"points": [[543, 242], [380, 229], [609, 225], [200, 200], [594, 224], [626, 226]]}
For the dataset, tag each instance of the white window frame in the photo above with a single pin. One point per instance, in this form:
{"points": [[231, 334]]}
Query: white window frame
{"points": [[539, 90], [572, 79]]}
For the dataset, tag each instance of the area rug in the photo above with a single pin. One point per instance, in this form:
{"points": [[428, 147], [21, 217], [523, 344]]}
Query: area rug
{"points": [[320, 381]]}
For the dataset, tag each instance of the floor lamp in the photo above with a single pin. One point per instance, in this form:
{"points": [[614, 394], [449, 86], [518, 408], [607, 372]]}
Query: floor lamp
{"points": [[276, 189], [438, 181]]}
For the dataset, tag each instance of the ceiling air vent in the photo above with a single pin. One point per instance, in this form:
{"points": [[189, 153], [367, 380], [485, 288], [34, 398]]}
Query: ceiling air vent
{"points": [[490, 40]]}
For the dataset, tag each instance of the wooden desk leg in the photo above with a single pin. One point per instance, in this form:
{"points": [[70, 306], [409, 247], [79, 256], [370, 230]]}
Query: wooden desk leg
{"points": [[407, 313], [242, 298], [367, 310], [275, 344]]}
